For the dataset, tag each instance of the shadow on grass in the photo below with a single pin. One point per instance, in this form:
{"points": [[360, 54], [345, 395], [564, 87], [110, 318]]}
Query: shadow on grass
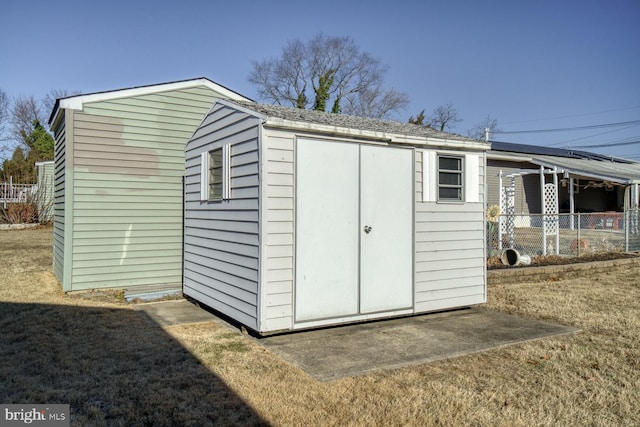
{"points": [[113, 366]]}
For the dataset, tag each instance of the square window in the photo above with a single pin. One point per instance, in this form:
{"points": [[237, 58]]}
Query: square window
{"points": [[450, 179]]}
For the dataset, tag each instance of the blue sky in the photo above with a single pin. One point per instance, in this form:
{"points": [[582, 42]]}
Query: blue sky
{"points": [[533, 65]]}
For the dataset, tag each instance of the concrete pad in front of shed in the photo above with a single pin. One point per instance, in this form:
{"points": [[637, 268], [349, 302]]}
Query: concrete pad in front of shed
{"points": [[334, 353], [167, 313]]}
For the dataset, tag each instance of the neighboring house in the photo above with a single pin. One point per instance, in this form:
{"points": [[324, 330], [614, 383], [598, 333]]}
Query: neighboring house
{"points": [[587, 182], [119, 163], [298, 219]]}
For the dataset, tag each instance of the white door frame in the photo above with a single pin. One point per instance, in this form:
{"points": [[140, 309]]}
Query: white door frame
{"points": [[331, 245]]}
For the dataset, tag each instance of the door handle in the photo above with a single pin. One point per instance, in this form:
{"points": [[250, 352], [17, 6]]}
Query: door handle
{"points": [[367, 229]]}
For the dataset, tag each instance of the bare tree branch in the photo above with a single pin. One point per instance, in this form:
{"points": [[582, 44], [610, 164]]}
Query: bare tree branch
{"points": [[334, 72], [283, 81], [24, 121], [376, 102], [478, 131], [4, 110], [23, 114], [4, 120], [50, 99], [444, 117]]}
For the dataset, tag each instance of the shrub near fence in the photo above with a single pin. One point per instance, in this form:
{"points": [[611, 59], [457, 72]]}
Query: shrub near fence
{"points": [[578, 234], [21, 203]]}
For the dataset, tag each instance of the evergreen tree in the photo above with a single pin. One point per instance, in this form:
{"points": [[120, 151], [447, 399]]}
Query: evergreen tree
{"points": [[40, 143], [418, 120], [21, 167]]}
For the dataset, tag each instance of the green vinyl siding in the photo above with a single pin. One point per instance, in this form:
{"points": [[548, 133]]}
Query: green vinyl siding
{"points": [[45, 190], [127, 188], [59, 201]]}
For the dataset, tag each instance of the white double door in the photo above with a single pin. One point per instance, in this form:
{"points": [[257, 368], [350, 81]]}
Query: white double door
{"points": [[354, 229]]}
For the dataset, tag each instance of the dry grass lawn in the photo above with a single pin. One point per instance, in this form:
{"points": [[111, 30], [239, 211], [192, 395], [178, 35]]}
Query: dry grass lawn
{"points": [[116, 368]]}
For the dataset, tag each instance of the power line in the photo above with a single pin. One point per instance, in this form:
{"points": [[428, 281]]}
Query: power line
{"points": [[572, 115], [617, 144], [592, 136], [572, 129]]}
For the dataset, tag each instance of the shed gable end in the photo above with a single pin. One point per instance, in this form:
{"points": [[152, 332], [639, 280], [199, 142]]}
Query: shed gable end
{"points": [[221, 237], [127, 166]]}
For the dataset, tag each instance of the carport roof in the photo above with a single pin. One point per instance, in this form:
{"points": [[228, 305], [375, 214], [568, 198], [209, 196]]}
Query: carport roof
{"points": [[576, 162], [538, 150], [623, 173]]}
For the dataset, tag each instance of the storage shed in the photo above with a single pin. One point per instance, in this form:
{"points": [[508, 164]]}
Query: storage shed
{"points": [[119, 164], [45, 190], [297, 219]]}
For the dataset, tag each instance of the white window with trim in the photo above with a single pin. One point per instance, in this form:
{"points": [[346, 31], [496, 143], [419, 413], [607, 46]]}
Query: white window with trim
{"points": [[450, 178], [215, 174]]}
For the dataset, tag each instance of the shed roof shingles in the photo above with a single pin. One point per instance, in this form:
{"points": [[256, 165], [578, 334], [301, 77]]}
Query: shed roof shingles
{"points": [[349, 122]]}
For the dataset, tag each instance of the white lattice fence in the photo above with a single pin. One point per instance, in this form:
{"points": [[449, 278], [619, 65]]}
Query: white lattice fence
{"points": [[508, 208], [550, 219]]}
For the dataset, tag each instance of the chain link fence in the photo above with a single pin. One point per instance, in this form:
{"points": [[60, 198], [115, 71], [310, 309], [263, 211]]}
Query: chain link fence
{"points": [[565, 234]]}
